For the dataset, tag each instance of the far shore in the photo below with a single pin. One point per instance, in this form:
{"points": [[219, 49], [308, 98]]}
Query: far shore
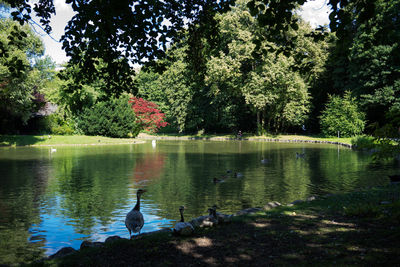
{"points": [[82, 140]]}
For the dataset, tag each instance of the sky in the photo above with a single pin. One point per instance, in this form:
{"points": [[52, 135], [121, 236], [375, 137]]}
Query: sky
{"points": [[316, 12]]}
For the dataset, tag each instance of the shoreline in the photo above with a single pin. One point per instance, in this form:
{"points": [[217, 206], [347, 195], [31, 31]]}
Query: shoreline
{"points": [[257, 139], [315, 230], [39, 141]]}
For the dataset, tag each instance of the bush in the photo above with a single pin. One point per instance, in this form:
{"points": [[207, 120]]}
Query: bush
{"points": [[112, 118], [364, 142], [59, 126], [342, 115]]}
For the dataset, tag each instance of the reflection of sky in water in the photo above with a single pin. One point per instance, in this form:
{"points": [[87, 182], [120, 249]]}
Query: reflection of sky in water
{"points": [[61, 231], [82, 193]]}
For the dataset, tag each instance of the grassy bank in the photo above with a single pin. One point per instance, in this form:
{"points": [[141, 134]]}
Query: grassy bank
{"points": [[53, 140], [359, 228], [347, 140]]}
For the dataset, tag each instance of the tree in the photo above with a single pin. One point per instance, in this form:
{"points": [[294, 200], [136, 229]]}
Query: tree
{"points": [[266, 80], [342, 115], [374, 68], [148, 115], [19, 78], [113, 118]]}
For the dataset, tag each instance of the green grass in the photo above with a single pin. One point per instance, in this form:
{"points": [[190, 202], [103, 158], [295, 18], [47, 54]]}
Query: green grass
{"points": [[52, 140], [347, 140], [48, 140]]}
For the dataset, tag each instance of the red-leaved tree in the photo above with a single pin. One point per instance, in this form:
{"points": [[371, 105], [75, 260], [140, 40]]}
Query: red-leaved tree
{"points": [[149, 117]]}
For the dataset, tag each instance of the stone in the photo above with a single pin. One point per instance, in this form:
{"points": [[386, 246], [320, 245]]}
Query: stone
{"points": [[89, 244], [65, 251], [271, 205], [297, 201], [165, 230], [247, 211], [113, 238], [311, 198]]}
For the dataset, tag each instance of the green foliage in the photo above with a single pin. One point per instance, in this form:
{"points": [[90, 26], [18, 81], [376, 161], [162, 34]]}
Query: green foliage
{"points": [[363, 142], [342, 115], [59, 125], [19, 77], [112, 118]]}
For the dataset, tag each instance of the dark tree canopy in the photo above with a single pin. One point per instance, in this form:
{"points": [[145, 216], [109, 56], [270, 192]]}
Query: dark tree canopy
{"points": [[126, 31]]}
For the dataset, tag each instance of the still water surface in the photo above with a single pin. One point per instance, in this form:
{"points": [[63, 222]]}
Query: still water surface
{"points": [[52, 200]]}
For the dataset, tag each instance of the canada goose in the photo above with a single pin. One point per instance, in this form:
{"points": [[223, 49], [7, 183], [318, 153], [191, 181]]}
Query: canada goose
{"points": [[205, 221], [182, 227], [134, 219], [220, 217]]}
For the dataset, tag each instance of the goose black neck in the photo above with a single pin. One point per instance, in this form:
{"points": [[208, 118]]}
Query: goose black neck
{"points": [[137, 206], [182, 219]]}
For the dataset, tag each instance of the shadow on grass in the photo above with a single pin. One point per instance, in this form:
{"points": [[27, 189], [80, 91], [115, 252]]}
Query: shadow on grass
{"points": [[306, 234], [18, 140]]}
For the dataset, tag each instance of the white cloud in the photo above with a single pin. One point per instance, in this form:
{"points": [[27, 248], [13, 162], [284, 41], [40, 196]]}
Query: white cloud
{"points": [[61, 5], [316, 12], [53, 47]]}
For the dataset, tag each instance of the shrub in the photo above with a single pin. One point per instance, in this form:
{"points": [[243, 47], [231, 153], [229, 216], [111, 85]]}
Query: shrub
{"points": [[112, 118], [149, 117], [342, 115], [364, 142]]}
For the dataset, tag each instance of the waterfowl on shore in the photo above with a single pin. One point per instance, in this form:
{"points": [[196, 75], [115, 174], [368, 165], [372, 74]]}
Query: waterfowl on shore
{"points": [[394, 178], [182, 227], [134, 219], [221, 218], [205, 221]]}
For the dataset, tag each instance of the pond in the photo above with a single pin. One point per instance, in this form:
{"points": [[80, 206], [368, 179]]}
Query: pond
{"points": [[53, 198]]}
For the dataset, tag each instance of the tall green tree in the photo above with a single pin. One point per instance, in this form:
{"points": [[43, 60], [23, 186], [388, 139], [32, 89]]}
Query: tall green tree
{"points": [[267, 81], [19, 78], [342, 116]]}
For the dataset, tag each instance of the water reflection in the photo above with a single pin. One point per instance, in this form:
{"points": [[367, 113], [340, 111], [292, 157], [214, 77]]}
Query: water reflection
{"points": [[51, 200]]}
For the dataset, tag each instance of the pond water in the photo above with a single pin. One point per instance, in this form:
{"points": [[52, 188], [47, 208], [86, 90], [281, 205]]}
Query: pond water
{"points": [[50, 200]]}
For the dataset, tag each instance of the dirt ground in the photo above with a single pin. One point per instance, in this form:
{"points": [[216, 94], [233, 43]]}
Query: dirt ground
{"points": [[258, 240]]}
